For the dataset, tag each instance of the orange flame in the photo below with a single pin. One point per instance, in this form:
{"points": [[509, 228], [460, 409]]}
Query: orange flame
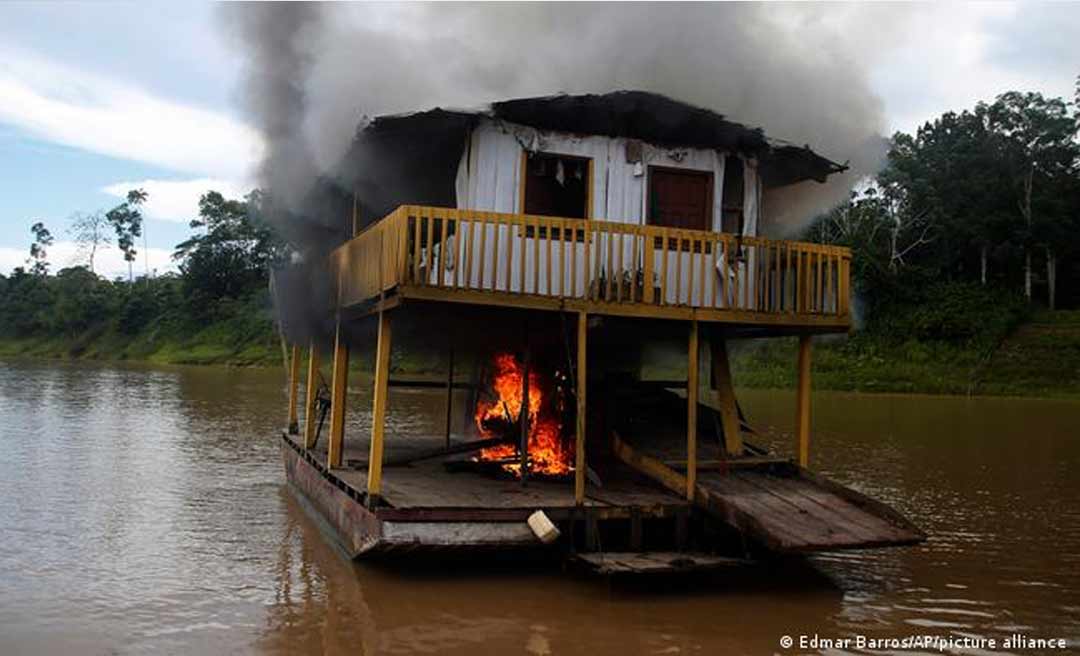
{"points": [[547, 452]]}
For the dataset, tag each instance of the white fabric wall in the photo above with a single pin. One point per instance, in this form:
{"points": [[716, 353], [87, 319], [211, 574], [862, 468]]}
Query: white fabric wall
{"points": [[490, 177]]}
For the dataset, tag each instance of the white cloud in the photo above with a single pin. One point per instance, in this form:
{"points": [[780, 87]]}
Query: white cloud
{"points": [[949, 56], [79, 109], [177, 200], [108, 262]]}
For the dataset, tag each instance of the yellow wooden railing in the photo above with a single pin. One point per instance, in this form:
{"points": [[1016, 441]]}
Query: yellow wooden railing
{"points": [[592, 261]]}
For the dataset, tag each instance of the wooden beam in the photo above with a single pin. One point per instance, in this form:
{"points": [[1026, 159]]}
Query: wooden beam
{"points": [[691, 411], [449, 392], [339, 383], [802, 411], [378, 413], [648, 465], [725, 393], [294, 391], [310, 409], [579, 435]]}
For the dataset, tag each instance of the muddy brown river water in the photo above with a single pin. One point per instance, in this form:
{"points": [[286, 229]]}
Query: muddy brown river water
{"points": [[144, 510]]}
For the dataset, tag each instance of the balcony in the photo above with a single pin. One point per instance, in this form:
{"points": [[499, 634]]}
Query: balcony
{"points": [[595, 266]]}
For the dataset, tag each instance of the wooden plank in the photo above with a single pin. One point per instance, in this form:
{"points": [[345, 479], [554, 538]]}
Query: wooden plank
{"points": [[678, 268], [339, 386], [724, 275], [725, 392], [663, 265], [509, 258], [294, 390], [481, 262], [579, 431], [429, 251], [691, 410], [549, 227], [774, 521], [378, 413], [866, 527], [619, 269], [310, 420], [649, 257], [802, 400], [562, 261], [449, 391], [440, 266], [839, 529], [648, 465], [597, 257]]}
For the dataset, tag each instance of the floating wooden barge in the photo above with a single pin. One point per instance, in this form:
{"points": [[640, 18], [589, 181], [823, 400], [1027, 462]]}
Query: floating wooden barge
{"points": [[637, 475]]}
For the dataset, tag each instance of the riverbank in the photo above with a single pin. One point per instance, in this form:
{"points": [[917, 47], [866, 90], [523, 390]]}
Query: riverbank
{"points": [[237, 341], [1039, 359]]}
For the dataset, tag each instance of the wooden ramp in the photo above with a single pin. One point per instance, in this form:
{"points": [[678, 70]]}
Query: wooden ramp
{"points": [[789, 509], [785, 508]]}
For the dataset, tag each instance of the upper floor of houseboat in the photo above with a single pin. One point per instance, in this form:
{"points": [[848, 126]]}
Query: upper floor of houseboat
{"points": [[625, 204]]}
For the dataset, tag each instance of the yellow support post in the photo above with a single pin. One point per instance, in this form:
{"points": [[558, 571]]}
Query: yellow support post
{"points": [[339, 383], [725, 392], [691, 410], [579, 436], [378, 413], [802, 422], [310, 420], [294, 390]]}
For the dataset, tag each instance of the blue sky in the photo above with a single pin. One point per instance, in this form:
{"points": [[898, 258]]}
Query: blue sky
{"points": [[97, 97]]}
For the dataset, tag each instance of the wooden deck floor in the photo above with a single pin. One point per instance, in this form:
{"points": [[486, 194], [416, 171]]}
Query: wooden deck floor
{"points": [[428, 485]]}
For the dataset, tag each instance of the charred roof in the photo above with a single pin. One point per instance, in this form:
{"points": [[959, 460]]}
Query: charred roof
{"points": [[425, 147]]}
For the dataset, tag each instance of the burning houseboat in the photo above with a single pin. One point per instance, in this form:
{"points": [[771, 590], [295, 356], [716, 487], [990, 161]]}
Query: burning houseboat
{"points": [[548, 246]]}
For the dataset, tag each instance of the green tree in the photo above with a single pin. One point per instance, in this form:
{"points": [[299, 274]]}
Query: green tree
{"points": [[38, 255], [127, 221], [79, 300], [230, 257], [1036, 139]]}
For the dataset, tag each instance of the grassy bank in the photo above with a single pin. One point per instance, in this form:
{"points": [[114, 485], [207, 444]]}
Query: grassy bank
{"points": [[241, 340], [1040, 358]]}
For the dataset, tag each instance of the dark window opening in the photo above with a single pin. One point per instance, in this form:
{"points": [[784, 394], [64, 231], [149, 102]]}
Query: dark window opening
{"points": [[733, 196], [557, 185], [680, 198]]}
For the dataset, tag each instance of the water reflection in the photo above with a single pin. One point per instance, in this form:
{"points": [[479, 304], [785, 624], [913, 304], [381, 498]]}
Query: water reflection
{"points": [[143, 509]]}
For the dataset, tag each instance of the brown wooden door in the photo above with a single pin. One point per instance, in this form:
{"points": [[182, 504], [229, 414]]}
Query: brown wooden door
{"points": [[680, 199]]}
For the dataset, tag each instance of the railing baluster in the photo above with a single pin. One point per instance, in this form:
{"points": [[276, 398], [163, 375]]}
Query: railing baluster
{"points": [[536, 256], [619, 270], [648, 253], [574, 257], [509, 258], [456, 253], [725, 260], [440, 264], [598, 255], [737, 269], [470, 249], [549, 227], [690, 270], [678, 267], [428, 252], [663, 265]]}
